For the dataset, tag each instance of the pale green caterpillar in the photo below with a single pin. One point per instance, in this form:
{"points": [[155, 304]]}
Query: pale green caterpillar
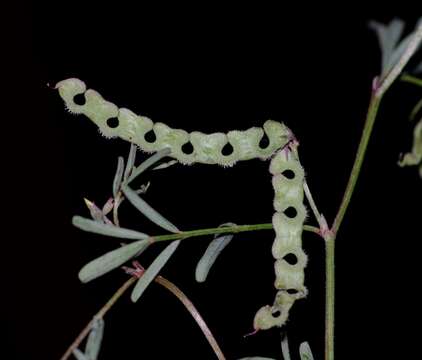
{"points": [[288, 176]]}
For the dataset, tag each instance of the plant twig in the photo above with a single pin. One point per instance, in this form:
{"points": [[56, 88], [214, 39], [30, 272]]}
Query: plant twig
{"points": [[100, 314], [411, 79], [313, 206], [169, 286], [194, 312], [360, 155], [223, 230]]}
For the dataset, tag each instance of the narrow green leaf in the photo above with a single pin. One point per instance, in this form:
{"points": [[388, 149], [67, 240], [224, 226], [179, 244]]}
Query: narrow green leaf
{"points": [[79, 355], [96, 213], [153, 270], [147, 210], [388, 38], [210, 255], [107, 229], [130, 161], [305, 351], [147, 163], [93, 344], [111, 260], [165, 165], [397, 54], [118, 177]]}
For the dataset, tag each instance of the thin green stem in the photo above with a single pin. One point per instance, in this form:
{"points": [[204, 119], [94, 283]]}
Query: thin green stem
{"points": [[329, 298], [379, 89], [223, 230], [313, 206], [360, 155], [330, 235], [411, 79]]}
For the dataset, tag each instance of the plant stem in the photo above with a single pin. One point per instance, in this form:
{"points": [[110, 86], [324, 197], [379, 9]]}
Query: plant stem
{"points": [[99, 314], [194, 312], [329, 297], [366, 134], [411, 79], [223, 230], [330, 236], [378, 91], [169, 286]]}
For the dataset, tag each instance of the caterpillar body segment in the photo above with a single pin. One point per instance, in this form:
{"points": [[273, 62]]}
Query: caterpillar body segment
{"points": [[287, 178], [207, 148]]}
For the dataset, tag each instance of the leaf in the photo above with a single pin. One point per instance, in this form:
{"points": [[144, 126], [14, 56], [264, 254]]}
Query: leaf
{"points": [[305, 351], [388, 37], [397, 54], [95, 211], [118, 177], [153, 270], [79, 355], [130, 161], [148, 211], [111, 260], [107, 229], [147, 163], [93, 344], [210, 255], [165, 165], [108, 206]]}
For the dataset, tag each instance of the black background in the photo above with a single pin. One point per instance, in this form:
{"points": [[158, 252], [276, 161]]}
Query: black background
{"points": [[207, 69]]}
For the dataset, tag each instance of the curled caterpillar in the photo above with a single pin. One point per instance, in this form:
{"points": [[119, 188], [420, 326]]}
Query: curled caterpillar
{"points": [[285, 168]]}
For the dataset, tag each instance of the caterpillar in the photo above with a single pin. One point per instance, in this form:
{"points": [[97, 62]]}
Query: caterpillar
{"points": [[285, 168]]}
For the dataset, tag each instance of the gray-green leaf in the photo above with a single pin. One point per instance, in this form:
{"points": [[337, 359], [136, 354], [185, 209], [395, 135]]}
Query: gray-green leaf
{"points": [[147, 210], [107, 229], [79, 355], [388, 37], [147, 163], [130, 161], [305, 351], [165, 165], [210, 255], [118, 177], [111, 260], [153, 270], [95, 337]]}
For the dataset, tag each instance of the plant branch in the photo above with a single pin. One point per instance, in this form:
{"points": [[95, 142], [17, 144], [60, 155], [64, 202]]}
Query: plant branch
{"points": [[223, 230], [194, 312], [169, 286], [411, 79], [360, 155], [100, 314], [322, 223]]}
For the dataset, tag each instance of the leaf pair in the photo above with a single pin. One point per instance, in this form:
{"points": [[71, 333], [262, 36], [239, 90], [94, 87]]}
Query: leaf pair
{"points": [[118, 257]]}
